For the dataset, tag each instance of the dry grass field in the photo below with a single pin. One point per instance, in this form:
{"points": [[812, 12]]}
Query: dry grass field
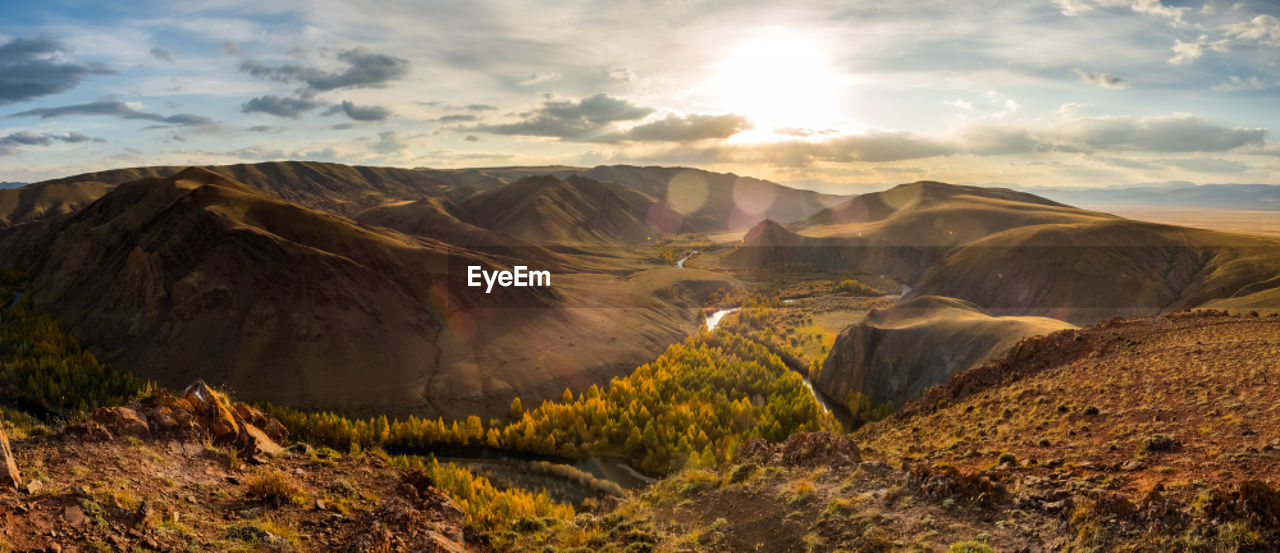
{"points": [[1246, 221]]}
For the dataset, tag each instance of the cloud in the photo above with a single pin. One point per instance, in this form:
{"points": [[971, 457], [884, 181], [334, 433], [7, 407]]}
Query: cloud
{"points": [[536, 78], [1179, 132], [9, 143], [1234, 83], [115, 109], [566, 119], [457, 118], [29, 69], [266, 128], [481, 107], [162, 55], [390, 142], [958, 103], [1258, 28], [292, 108], [683, 128], [1151, 7], [360, 113], [1188, 52], [1208, 165], [1104, 80], [472, 138], [364, 70]]}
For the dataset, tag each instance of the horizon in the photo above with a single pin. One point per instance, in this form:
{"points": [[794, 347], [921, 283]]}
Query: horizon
{"points": [[835, 98]]}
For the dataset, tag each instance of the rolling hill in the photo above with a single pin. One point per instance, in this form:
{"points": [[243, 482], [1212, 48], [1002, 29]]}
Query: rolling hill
{"points": [[547, 209], [198, 275]]}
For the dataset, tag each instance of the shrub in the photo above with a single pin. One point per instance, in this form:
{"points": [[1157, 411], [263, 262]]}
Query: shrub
{"points": [[274, 487], [970, 547], [1158, 442]]}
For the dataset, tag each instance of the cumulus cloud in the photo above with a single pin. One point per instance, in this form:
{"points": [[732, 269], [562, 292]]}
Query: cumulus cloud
{"points": [[1104, 80], [364, 69], [30, 68], [1187, 52], [9, 143], [162, 55], [1263, 27], [566, 119], [360, 113], [115, 109], [292, 108], [683, 128]]}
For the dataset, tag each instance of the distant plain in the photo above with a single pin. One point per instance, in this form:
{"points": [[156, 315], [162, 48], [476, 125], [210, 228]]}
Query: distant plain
{"points": [[1247, 221]]}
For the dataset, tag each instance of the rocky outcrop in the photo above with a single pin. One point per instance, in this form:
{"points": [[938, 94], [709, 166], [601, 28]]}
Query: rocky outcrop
{"points": [[9, 475], [199, 412], [896, 354], [803, 449]]}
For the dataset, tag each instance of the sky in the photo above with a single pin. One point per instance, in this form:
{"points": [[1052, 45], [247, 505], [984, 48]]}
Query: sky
{"points": [[839, 96]]}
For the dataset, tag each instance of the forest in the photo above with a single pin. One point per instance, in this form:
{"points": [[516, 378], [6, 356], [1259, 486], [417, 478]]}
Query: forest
{"points": [[690, 407]]}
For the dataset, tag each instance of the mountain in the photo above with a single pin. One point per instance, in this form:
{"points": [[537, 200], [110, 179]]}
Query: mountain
{"points": [[547, 209], [198, 275], [881, 358], [1088, 272], [1015, 254], [693, 200], [340, 189], [704, 201], [1229, 196], [31, 202]]}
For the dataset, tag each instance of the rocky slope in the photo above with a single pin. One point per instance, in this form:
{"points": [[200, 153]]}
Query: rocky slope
{"points": [[139, 478], [1146, 435]]}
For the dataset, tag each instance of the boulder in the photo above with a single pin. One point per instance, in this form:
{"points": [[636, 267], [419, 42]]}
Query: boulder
{"points": [[267, 424], [253, 442], [218, 417], [9, 475]]}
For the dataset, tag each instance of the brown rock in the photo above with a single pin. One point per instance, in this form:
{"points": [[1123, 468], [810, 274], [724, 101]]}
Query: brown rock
{"points": [[209, 404], [8, 468], [170, 415], [253, 442], [34, 487], [122, 421], [269, 425], [74, 515]]}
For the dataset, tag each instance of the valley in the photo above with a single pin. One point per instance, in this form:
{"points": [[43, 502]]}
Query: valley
{"points": [[848, 364]]}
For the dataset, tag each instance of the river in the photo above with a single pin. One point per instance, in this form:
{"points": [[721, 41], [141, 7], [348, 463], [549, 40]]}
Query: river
{"points": [[840, 412]]}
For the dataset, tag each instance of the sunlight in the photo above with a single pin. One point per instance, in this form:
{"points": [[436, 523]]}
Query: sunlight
{"points": [[779, 81]]}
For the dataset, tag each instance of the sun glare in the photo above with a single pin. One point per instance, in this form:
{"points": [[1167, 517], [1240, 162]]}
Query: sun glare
{"points": [[779, 82]]}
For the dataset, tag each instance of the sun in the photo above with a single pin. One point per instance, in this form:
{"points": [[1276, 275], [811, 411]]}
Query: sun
{"points": [[779, 81]]}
